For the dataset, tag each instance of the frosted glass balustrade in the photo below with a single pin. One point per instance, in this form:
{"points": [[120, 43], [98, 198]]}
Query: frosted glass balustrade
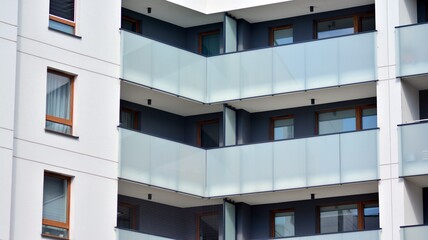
{"points": [[132, 235], [294, 67], [414, 232], [294, 163], [366, 235], [413, 147], [412, 50]]}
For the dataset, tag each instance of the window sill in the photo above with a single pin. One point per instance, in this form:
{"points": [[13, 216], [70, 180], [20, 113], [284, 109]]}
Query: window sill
{"points": [[66, 33], [61, 134], [53, 237]]}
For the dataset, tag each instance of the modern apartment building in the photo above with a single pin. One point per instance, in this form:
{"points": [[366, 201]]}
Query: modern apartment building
{"points": [[214, 119]]}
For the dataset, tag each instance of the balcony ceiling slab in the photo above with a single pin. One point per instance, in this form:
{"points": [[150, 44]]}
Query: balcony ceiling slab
{"points": [[420, 181], [172, 198], [184, 107], [419, 82], [185, 17]]}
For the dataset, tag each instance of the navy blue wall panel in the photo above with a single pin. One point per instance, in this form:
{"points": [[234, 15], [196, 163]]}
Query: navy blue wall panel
{"points": [[423, 104]]}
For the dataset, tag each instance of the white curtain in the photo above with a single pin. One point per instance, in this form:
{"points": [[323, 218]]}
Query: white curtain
{"points": [[58, 101]]}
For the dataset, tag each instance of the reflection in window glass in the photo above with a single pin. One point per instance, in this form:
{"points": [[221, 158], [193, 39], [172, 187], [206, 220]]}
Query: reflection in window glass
{"points": [[342, 218], [209, 134], [371, 216], [125, 216], [282, 36], [283, 129], [208, 227], [369, 118], [210, 43], [284, 224], [335, 27], [336, 121]]}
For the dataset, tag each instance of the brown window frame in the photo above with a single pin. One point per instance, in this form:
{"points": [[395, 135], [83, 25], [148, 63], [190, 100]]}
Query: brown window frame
{"points": [[203, 34], [272, 31], [134, 21], [356, 17], [133, 209], [199, 131], [272, 124], [198, 221], [63, 121], [358, 115], [134, 113], [272, 218], [360, 210], [52, 223], [65, 21]]}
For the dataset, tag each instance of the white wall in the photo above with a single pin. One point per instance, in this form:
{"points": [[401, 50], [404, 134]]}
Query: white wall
{"points": [[413, 204], [8, 43], [410, 102], [92, 158]]}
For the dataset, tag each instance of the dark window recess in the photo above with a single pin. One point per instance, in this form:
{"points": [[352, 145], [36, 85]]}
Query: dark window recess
{"points": [[130, 24], [62, 8], [208, 134], [207, 228], [126, 216], [129, 118]]}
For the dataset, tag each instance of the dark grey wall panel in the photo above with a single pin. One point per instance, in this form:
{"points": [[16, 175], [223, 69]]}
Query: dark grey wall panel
{"points": [[243, 221], [422, 11], [244, 35], [423, 104], [243, 119], [425, 203]]}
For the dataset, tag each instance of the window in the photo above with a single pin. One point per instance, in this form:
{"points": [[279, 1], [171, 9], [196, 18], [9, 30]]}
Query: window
{"points": [[207, 226], [130, 24], [61, 15], [344, 25], [351, 119], [128, 118], [126, 216], [349, 217], [282, 223], [59, 102], [281, 127], [281, 35], [209, 43], [208, 133], [56, 205]]}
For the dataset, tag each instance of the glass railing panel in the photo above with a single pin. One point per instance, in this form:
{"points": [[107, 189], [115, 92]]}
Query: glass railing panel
{"points": [[134, 156], [165, 67], [366, 235], [136, 58], [256, 73], [414, 232], [223, 77], [322, 63], [132, 235], [358, 156], [191, 170], [256, 167], [289, 164], [193, 71], [412, 48], [413, 149], [357, 58], [163, 163], [223, 168], [288, 68], [323, 160]]}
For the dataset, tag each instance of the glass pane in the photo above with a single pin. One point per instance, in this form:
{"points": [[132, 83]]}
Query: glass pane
{"points": [[210, 44], [58, 127], [371, 216], [129, 24], [55, 199], [127, 119], [125, 216], [339, 218], [58, 95], [336, 27], [55, 231], [283, 129], [208, 227], [369, 118], [284, 224], [336, 121], [209, 135], [282, 36], [61, 27], [368, 23]]}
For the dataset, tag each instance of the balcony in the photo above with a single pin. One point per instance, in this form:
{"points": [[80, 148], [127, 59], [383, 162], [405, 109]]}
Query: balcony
{"points": [[367, 235], [413, 148], [269, 71], [412, 57], [289, 164], [418, 232]]}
